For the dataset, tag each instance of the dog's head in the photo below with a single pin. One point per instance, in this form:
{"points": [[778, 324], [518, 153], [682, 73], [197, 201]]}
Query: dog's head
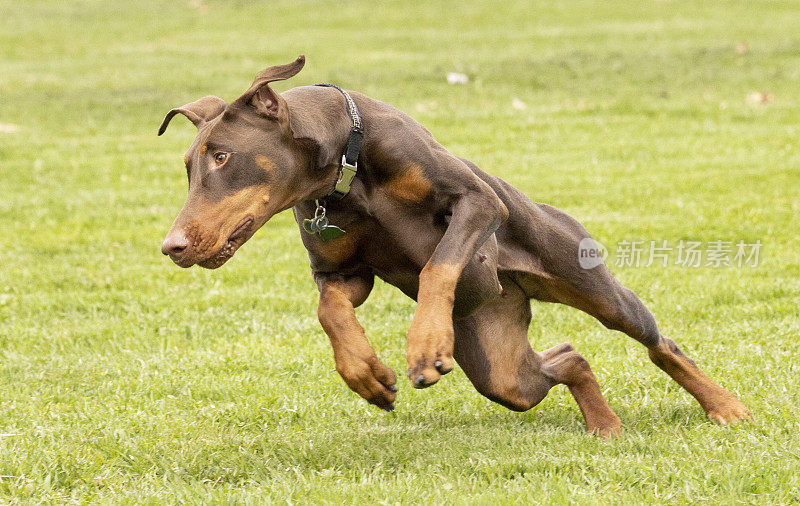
{"points": [[244, 166]]}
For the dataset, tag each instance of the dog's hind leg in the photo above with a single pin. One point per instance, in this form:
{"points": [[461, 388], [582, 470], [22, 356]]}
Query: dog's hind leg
{"points": [[618, 308], [491, 346], [595, 291]]}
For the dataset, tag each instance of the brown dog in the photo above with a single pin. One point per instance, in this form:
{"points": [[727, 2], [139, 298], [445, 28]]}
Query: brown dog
{"points": [[471, 249]]}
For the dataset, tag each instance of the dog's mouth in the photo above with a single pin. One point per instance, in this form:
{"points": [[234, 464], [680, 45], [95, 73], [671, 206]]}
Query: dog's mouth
{"points": [[238, 237]]}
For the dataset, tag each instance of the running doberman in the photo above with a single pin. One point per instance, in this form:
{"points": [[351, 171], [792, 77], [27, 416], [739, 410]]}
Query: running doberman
{"points": [[374, 194]]}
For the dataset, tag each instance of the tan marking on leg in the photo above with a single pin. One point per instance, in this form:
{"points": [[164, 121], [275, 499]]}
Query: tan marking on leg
{"points": [[564, 365], [265, 163], [355, 358], [186, 159], [337, 316], [600, 418], [720, 405], [431, 338], [409, 185]]}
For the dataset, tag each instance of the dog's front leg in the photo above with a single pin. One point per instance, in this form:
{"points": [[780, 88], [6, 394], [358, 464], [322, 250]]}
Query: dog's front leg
{"points": [[475, 215], [356, 361]]}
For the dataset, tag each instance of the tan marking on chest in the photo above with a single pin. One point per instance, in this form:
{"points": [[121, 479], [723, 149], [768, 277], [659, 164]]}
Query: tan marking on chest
{"points": [[409, 185], [338, 250], [265, 163], [186, 159]]}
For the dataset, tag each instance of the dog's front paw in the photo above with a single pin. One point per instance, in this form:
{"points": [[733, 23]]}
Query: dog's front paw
{"points": [[430, 351], [370, 379]]}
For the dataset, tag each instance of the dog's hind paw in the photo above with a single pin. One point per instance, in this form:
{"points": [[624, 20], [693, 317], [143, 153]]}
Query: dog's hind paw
{"points": [[606, 429], [728, 411]]}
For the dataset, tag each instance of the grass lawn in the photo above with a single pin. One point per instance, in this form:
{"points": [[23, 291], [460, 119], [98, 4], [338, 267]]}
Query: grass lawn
{"points": [[126, 379]]}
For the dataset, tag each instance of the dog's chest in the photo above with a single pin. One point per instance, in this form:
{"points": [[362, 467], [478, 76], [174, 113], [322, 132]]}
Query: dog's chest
{"points": [[395, 245]]}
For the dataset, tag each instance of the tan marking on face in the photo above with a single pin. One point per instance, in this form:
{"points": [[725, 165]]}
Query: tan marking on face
{"points": [[219, 219], [203, 149], [265, 163], [201, 239], [409, 185]]}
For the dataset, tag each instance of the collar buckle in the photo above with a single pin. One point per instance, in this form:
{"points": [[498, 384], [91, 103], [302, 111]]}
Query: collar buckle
{"points": [[346, 174], [347, 171]]}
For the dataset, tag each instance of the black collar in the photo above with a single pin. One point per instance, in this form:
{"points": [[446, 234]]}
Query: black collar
{"points": [[349, 163]]}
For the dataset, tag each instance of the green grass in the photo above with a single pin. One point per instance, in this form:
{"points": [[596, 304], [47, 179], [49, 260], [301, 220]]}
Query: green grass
{"points": [[126, 379]]}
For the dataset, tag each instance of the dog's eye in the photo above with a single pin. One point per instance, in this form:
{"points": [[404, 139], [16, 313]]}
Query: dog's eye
{"points": [[220, 158]]}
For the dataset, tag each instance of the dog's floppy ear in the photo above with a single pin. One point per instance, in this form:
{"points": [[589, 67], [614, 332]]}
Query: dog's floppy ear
{"points": [[321, 125], [198, 112], [262, 97]]}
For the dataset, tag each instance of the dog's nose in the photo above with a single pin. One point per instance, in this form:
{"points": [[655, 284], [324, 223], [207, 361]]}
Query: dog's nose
{"points": [[174, 244]]}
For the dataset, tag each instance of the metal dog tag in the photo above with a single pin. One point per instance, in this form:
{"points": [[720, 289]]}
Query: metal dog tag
{"points": [[319, 225], [330, 232]]}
